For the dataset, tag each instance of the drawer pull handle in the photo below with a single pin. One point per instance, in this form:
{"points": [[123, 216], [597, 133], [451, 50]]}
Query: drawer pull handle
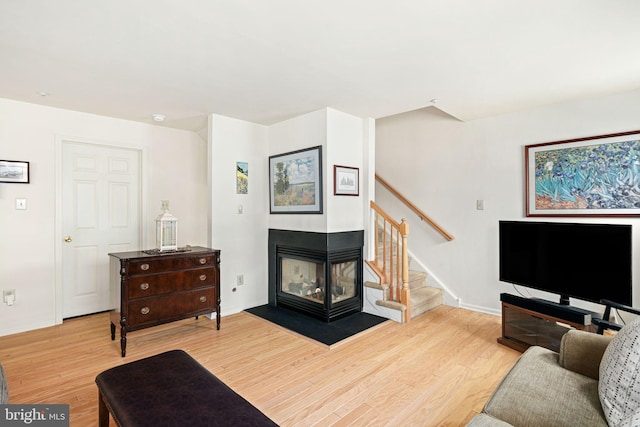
{"points": [[203, 260], [203, 277], [144, 267], [144, 286], [145, 310], [203, 299]]}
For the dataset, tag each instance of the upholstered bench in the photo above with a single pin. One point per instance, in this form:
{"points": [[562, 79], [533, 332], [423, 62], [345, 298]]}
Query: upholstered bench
{"points": [[171, 389]]}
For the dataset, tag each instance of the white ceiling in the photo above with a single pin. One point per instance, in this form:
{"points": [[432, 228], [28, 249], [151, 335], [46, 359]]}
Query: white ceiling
{"points": [[268, 60]]}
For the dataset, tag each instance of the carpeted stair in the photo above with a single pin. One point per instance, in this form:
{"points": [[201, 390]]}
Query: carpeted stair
{"points": [[423, 297]]}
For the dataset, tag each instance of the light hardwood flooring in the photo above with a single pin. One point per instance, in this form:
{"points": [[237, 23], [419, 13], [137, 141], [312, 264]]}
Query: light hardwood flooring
{"points": [[438, 370]]}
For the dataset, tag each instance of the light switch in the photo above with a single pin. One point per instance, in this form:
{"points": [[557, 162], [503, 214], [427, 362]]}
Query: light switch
{"points": [[480, 205], [21, 204]]}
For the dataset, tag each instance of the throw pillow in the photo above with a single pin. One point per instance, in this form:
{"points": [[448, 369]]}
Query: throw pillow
{"points": [[619, 386], [631, 421]]}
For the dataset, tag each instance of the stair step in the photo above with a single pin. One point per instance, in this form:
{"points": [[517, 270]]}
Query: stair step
{"points": [[425, 299], [417, 279], [392, 304], [374, 285]]}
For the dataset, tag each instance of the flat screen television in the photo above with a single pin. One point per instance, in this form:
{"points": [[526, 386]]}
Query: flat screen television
{"points": [[584, 261]]}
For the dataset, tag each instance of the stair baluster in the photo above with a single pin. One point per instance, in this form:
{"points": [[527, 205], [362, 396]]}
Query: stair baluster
{"points": [[391, 261]]}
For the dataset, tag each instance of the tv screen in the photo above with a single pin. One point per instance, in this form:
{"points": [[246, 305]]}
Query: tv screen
{"points": [[585, 261]]}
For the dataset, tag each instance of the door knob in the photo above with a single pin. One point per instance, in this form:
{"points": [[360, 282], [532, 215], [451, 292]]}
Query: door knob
{"points": [[68, 239]]}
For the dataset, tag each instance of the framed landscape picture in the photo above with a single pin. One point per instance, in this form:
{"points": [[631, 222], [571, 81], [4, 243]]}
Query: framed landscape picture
{"points": [[14, 171], [295, 182], [593, 176], [242, 178]]}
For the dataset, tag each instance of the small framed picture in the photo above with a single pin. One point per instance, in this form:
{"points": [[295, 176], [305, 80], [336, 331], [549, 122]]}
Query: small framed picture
{"points": [[346, 181], [242, 178], [14, 171]]}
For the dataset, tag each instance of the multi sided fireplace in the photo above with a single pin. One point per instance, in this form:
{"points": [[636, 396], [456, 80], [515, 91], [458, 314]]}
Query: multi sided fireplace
{"points": [[319, 274]]}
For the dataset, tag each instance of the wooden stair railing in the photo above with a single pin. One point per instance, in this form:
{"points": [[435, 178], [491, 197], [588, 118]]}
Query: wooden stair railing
{"points": [[391, 260], [424, 217]]}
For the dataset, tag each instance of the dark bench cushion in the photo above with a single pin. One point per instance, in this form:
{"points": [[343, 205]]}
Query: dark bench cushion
{"points": [[173, 389]]}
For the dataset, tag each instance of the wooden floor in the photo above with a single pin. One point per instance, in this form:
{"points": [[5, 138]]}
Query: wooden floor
{"points": [[438, 370]]}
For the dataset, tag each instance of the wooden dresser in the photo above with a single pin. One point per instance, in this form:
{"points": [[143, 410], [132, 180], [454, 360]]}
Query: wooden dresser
{"points": [[155, 288]]}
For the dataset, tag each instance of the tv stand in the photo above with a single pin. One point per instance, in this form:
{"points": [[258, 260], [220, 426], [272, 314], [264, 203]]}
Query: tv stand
{"points": [[564, 300], [529, 321]]}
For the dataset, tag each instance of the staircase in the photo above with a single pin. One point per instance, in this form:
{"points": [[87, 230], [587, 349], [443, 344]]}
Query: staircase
{"points": [[401, 294], [422, 298]]}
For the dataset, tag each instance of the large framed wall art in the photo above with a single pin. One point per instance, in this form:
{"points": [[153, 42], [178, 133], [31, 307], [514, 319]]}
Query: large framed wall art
{"points": [[593, 176], [295, 182]]}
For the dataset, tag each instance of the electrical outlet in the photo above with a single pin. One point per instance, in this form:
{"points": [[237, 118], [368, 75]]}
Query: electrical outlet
{"points": [[9, 296], [240, 279]]}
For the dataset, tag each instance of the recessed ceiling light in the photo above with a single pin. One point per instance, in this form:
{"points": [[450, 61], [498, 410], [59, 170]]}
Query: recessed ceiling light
{"points": [[434, 100], [43, 93], [158, 117]]}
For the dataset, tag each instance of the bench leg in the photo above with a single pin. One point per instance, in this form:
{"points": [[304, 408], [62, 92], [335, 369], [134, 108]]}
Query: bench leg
{"points": [[103, 412]]}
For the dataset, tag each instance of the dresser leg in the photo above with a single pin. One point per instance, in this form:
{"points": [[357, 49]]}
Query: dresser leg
{"points": [[123, 344], [113, 332], [123, 336]]}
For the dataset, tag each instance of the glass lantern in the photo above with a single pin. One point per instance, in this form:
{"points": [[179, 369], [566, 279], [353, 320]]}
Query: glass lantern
{"points": [[166, 230]]}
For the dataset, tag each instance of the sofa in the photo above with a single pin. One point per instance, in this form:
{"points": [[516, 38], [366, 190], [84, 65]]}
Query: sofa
{"points": [[4, 389], [593, 380]]}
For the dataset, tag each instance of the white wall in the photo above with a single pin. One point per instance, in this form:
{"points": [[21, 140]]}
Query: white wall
{"points": [[345, 147], [174, 168], [309, 130], [342, 139], [241, 238], [443, 166], [198, 178]]}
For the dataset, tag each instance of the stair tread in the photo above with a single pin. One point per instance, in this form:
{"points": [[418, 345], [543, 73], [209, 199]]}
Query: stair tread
{"points": [[392, 304], [426, 292]]}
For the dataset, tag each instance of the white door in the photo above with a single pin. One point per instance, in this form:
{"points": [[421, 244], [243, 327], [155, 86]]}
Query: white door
{"points": [[100, 215]]}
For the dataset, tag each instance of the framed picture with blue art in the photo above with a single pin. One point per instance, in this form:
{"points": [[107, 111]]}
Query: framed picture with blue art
{"points": [[592, 176], [295, 182]]}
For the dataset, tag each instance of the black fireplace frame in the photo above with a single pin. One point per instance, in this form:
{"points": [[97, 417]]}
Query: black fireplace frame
{"points": [[317, 247]]}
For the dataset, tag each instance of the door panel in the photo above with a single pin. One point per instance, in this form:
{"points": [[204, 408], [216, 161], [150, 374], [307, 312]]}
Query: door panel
{"points": [[100, 214]]}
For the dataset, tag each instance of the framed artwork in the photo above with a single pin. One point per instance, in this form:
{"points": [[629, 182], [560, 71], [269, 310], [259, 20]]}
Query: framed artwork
{"points": [[346, 181], [14, 171], [295, 182], [242, 178], [593, 176]]}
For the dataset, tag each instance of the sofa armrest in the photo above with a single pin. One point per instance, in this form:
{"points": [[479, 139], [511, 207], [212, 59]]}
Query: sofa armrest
{"points": [[581, 352], [4, 389]]}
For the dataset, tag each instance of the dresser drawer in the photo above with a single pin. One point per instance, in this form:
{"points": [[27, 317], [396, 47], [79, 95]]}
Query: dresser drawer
{"points": [[158, 284], [170, 307], [161, 265]]}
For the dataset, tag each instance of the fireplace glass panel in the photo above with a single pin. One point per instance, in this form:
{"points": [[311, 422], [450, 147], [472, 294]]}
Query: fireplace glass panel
{"points": [[304, 279], [343, 280]]}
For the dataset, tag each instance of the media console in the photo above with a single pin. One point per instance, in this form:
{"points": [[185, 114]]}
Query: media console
{"points": [[531, 321]]}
